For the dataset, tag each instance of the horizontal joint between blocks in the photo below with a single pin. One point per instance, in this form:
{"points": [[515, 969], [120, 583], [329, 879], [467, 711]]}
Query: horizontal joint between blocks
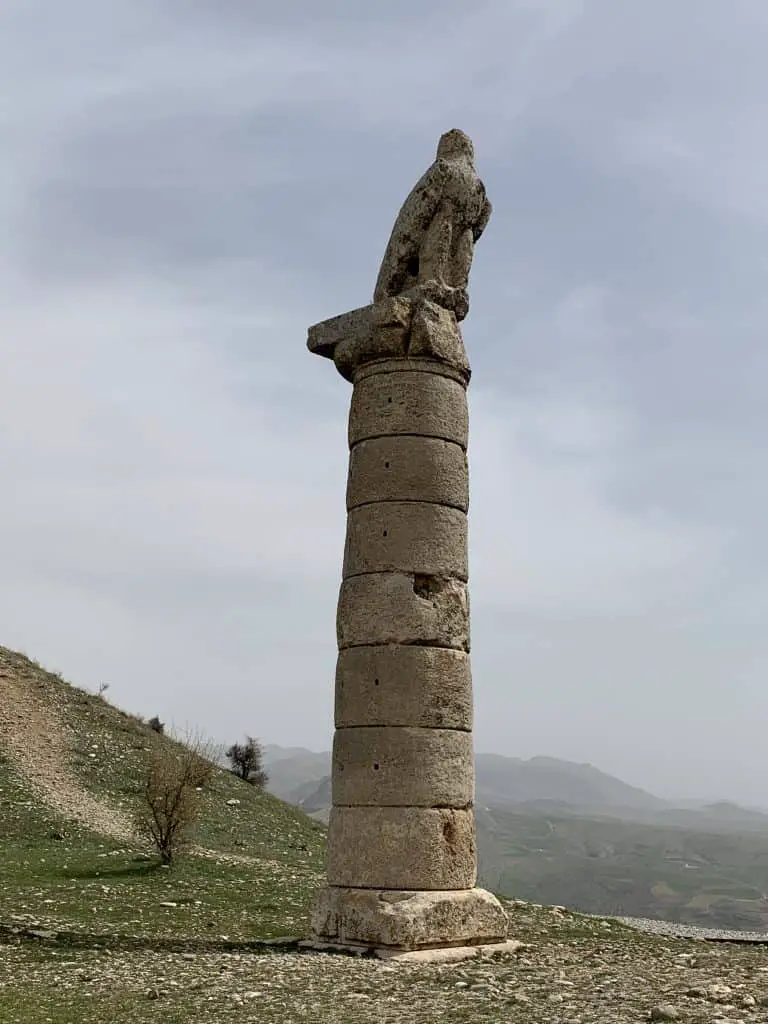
{"points": [[432, 807], [407, 501], [428, 437]]}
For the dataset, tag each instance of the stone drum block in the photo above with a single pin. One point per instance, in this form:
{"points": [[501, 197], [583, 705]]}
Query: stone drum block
{"points": [[397, 685], [395, 608], [409, 536], [409, 402], [411, 848], [408, 469], [382, 766]]}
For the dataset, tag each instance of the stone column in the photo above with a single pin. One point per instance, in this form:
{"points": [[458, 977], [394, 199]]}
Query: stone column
{"points": [[402, 860]]}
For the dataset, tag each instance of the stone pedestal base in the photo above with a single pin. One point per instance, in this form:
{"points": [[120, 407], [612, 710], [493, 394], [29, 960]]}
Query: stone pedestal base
{"points": [[399, 920]]}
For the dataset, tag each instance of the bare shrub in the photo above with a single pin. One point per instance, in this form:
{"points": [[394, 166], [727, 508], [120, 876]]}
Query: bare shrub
{"points": [[156, 725], [247, 761], [177, 772]]}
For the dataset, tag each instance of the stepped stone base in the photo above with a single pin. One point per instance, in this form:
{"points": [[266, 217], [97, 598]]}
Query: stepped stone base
{"points": [[399, 920]]}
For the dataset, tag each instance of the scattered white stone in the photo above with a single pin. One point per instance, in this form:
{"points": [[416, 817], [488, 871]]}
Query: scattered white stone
{"points": [[665, 1011], [719, 992]]}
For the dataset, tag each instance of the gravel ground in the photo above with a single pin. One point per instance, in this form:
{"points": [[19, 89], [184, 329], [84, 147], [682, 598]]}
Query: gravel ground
{"points": [[572, 970], [689, 931]]}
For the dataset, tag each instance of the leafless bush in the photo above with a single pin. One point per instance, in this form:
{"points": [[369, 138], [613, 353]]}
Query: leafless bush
{"points": [[156, 725], [178, 770]]}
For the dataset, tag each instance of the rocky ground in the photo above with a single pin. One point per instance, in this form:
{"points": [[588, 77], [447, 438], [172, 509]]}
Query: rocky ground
{"points": [[571, 969]]}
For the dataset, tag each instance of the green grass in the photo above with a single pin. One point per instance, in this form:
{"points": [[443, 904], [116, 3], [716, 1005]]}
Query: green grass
{"points": [[265, 858]]}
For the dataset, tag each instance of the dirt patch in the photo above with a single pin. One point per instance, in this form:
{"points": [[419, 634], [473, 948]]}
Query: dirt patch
{"points": [[33, 736]]}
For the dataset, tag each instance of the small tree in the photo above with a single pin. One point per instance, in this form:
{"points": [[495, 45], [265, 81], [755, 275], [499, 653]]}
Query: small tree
{"points": [[177, 772], [156, 725], [247, 761]]}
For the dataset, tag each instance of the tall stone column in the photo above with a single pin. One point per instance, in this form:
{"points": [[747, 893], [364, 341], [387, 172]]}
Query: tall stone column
{"points": [[402, 860]]}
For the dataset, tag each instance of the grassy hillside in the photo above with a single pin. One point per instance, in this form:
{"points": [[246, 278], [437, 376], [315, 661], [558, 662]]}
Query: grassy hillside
{"points": [[71, 774]]}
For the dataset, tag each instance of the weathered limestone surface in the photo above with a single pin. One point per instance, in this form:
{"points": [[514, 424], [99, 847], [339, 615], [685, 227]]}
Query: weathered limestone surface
{"points": [[414, 536], [408, 469], [408, 920], [433, 239], [405, 767], [414, 848], [413, 401], [436, 335], [395, 608], [395, 685], [402, 858]]}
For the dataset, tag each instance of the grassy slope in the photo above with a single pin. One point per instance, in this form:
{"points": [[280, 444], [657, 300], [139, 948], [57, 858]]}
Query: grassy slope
{"points": [[87, 881]]}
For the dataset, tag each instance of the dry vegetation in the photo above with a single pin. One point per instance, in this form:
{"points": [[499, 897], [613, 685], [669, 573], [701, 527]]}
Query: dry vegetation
{"points": [[176, 776]]}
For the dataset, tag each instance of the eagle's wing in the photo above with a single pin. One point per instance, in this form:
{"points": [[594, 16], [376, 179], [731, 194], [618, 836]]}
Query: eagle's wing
{"points": [[485, 213], [415, 216]]}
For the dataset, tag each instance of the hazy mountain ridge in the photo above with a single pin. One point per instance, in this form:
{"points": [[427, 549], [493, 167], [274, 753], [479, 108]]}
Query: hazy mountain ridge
{"points": [[538, 785], [557, 832]]}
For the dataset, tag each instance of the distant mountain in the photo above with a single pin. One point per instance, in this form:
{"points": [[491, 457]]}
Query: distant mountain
{"points": [[721, 815], [536, 787], [302, 777], [508, 781], [318, 799], [294, 771]]}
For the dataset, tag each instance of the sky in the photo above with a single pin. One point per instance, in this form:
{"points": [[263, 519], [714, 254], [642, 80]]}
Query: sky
{"points": [[187, 186]]}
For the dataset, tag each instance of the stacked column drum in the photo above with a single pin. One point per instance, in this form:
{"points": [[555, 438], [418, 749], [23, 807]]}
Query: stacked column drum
{"points": [[402, 755]]}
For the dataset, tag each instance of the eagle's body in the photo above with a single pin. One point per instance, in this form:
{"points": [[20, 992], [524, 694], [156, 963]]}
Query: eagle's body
{"points": [[431, 246]]}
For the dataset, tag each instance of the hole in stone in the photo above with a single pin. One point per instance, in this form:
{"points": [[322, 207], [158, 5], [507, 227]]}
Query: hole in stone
{"points": [[385, 533], [412, 266], [386, 465], [375, 682], [389, 401], [449, 832], [375, 766], [422, 586]]}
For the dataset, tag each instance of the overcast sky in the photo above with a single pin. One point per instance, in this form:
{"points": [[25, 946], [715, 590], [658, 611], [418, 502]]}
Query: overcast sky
{"points": [[186, 185]]}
